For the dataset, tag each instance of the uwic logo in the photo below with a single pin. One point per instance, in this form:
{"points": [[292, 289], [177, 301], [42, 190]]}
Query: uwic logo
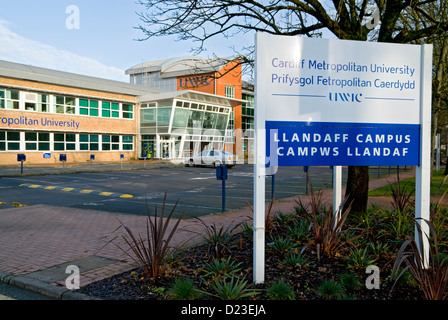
{"points": [[345, 97]]}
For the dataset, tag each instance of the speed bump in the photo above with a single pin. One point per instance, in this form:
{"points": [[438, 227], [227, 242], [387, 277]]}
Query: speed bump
{"points": [[84, 191]]}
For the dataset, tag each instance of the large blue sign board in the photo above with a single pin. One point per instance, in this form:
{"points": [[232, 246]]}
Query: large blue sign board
{"points": [[292, 143]]}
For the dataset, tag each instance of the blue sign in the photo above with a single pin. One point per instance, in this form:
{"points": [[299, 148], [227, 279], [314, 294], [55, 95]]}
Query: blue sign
{"points": [[221, 173], [63, 157], [21, 157], [47, 155], [292, 143], [92, 157]]}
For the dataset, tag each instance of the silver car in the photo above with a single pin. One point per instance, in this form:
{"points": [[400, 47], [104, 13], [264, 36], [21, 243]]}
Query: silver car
{"points": [[212, 157]]}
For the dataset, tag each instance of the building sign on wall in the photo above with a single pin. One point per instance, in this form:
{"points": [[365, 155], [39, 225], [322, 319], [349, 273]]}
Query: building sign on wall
{"points": [[333, 102], [25, 121]]}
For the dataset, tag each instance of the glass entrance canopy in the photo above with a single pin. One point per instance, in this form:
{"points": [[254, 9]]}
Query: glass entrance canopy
{"points": [[183, 123]]}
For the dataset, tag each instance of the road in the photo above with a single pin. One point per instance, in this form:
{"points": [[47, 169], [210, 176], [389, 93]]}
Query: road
{"points": [[132, 191]]}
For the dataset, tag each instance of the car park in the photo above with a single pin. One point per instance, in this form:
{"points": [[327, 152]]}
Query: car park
{"points": [[212, 158]]}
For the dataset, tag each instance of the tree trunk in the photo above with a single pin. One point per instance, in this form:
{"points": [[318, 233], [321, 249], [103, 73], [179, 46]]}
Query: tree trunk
{"points": [[357, 188]]}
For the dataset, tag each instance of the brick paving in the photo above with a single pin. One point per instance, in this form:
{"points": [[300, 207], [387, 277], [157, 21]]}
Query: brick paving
{"points": [[34, 238]]}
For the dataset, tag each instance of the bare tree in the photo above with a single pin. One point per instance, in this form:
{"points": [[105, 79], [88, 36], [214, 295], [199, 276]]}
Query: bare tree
{"points": [[201, 20]]}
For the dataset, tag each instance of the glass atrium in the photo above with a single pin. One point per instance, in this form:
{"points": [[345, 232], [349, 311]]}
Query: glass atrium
{"points": [[184, 124]]}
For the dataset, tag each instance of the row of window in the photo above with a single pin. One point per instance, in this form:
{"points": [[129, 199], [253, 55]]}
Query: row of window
{"points": [[11, 99], [47, 141]]}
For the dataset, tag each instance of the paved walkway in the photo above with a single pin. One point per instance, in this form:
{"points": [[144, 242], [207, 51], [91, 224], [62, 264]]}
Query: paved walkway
{"points": [[38, 243]]}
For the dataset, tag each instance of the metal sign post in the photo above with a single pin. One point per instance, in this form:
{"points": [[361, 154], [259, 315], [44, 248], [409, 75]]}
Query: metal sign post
{"points": [[63, 159], [21, 157], [221, 174], [423, 171]]}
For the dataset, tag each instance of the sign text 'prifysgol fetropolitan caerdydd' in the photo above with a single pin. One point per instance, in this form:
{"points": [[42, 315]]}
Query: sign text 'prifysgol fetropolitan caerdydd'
{"points": [[333, 102]]}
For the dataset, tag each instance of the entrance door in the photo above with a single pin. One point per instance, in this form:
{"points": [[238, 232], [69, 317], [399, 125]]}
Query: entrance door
{"points": [[167, 150]]}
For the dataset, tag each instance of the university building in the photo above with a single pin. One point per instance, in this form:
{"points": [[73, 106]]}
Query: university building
{"points": [[165, 112]]}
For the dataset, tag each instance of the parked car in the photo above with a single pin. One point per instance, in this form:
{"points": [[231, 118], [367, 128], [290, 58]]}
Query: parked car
{"points": [[212, 157]]}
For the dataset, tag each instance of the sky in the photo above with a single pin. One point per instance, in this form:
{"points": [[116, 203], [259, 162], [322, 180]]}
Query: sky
{"points": [[44, 33]]}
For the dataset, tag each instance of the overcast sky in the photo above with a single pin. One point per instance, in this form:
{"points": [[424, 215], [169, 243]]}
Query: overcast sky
{"points": [[35, 32]]}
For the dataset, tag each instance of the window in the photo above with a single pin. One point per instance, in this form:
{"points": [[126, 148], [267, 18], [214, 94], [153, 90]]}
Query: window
{"points": [[65, 104], [88, 142], [127, 111], [64, 142], [9, 99], [180, 118], [110, 143], [128, 143], [43, 103], [230, 92], [37, 141], [105, 109], [163, 116], [115, 110], [88, 107], [13, 140], [9, 141]]}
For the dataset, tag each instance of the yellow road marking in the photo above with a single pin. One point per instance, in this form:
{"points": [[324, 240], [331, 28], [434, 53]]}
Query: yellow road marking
{"points": [[35, 186], [68, 189], [86, 191], [50, 188], [106, 193], [126, 196]]}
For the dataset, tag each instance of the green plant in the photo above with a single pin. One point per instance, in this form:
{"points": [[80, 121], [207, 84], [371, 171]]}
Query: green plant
{"points": [[222, 268], [330, 290], [350, 281], [400, 225], [431, 271], [379, 249], [270, 220], [401, 195], [184, 289], [359, 259], [150, 252], [299, 229], [229, 288], [280, 290], [295, 260], [326, 226], [281, 244], [218, 239]]}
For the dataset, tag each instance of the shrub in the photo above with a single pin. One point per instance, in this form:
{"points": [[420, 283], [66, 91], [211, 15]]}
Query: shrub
{"points": [[219, 268], [281, 244], [230, 288], [280, 290], [350, 281], [431, 274], [218, 239], [360, 259], [295, 260], [330, 290], [184, 289], [326, 226], [150, 252]]}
